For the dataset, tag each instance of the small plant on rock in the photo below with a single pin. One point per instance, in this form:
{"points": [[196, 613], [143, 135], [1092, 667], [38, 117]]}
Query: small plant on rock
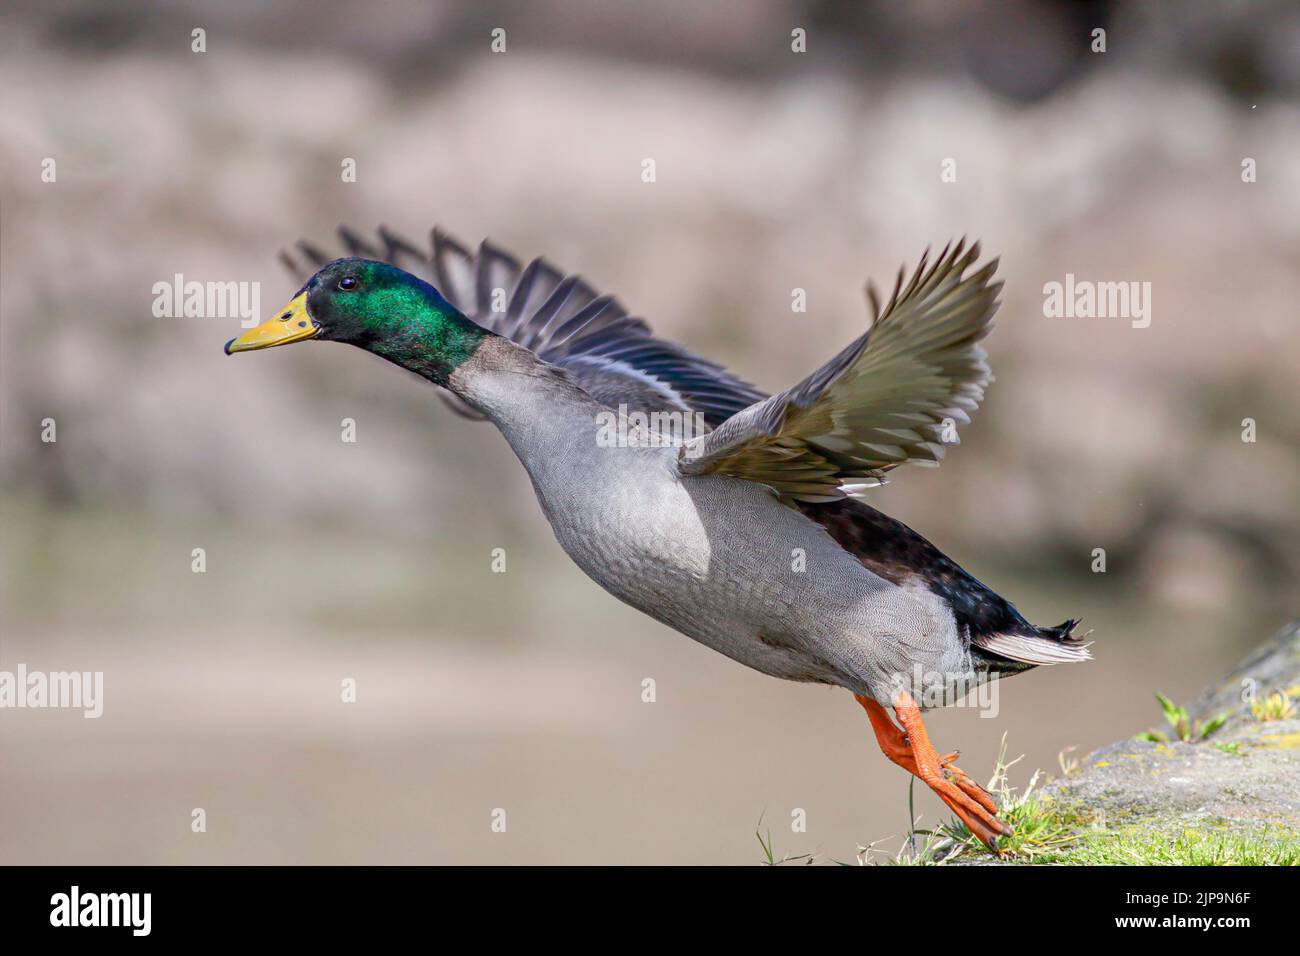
{"points": [[1276, 706], [1184, 728]]}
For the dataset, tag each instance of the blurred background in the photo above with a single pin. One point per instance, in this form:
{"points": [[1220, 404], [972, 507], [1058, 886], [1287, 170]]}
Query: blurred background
{"points": [[371, 561]]}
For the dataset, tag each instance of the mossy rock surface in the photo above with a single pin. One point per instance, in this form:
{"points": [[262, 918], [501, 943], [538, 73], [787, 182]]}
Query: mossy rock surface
{"points": [[1233, 797], [1245, 774]]}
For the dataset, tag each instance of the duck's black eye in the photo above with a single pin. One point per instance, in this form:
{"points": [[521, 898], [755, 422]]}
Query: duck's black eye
{"points": [[348, 283]]}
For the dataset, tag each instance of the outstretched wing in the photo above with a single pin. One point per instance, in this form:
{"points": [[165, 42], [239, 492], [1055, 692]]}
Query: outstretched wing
{"points": [[613, 355], [891, 397]]}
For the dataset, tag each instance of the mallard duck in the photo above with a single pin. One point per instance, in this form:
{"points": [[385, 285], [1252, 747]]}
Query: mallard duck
{"points": [[751, 535]]}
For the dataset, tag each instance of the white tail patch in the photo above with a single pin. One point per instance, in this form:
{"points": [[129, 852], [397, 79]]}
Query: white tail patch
{"points": [[1034, 650]]}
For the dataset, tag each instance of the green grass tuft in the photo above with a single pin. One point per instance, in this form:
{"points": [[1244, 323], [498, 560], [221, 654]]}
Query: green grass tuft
{"points": [[1041, 828], [1047, 832], [1189, 848], [769, 854]]}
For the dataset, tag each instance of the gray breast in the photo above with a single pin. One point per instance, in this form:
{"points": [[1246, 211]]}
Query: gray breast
{"points": [[724, 562]]}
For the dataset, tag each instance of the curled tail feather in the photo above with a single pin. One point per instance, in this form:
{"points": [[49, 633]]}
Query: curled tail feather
{"points": [[1038, 645]]}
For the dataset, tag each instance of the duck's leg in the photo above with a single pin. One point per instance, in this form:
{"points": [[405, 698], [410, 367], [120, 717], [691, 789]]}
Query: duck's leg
{"points": [[911, 749], [893, 742]]}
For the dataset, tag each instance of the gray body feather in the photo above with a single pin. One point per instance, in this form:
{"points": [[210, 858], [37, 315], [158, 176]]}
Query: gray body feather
{"points": [[711, 556]]}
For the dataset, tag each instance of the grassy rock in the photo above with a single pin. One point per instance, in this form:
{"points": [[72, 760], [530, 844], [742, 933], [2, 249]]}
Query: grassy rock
{"points": [[1230, 796]]}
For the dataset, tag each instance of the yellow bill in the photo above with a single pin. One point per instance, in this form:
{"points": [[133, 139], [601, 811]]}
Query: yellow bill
{"points": [[293, 324]]}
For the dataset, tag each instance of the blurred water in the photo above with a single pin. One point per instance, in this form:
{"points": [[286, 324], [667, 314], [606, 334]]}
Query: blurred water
{"points": [[475, 691]]}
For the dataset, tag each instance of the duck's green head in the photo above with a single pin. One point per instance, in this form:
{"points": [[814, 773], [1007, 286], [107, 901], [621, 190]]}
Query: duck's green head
{"points": [[377, 307]]}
